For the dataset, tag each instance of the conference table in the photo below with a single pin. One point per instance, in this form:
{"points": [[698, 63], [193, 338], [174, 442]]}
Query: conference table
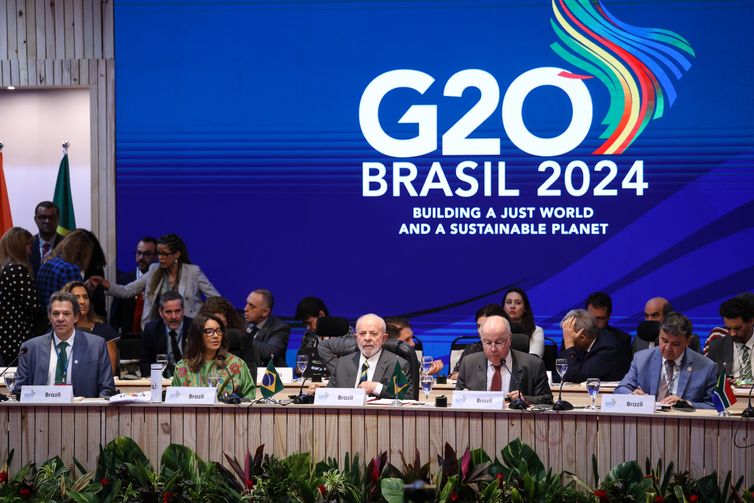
{"points": [[699, 441]]}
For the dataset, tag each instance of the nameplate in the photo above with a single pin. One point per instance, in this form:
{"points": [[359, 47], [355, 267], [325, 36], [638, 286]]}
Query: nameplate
{"points": [[478, 400], [634, 404], [342, 397], [187, 395], [47, 394]]}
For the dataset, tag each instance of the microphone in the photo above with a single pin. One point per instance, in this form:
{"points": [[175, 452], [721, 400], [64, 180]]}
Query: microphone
{"points": [[233, 398], [749, 411], [519, 403], [23, 351], [562, 404]]}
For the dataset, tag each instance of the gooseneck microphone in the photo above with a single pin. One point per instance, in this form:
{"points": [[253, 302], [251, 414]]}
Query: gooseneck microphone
{"points": [[233, 398], [749, 411], [24, 349], [519, 403], [562, 404]]}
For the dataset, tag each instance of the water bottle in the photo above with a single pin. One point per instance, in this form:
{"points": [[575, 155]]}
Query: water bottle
{"points": [[156, 378]]}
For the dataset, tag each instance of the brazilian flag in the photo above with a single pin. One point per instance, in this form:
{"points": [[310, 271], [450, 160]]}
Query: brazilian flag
{"points": [[271, 382], [398, 386], [63, 198]]}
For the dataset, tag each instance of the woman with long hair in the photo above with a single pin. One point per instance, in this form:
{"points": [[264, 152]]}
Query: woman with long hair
{"points": [[18, 297], [174, 272], [519, 313], [207, 361], [66, 263], [89, 321]]}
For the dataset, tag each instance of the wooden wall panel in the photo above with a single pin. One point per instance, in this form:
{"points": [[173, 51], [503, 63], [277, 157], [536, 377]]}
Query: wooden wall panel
{"points": [[70, 43]]}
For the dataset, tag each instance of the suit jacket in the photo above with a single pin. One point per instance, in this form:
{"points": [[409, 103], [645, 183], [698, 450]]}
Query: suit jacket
{"points": [[721, 352], [36, 257], [696, 380], [527, 375], [192, 285], [154, 341], [91, 373], [608, 360], [347, 367], [122, 310], [639, 344], [334, 347], [272, 339]]}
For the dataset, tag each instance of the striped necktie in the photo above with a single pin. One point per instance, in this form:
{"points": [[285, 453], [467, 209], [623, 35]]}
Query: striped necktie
{"points": [[364, 372], [745, 374]]}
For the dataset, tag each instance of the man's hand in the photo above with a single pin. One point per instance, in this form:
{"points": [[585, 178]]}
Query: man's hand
{"points": [[369, 387], [436, 366], [516, 395], [638, 391], [670, 400], [95, 281], [569, 333]]}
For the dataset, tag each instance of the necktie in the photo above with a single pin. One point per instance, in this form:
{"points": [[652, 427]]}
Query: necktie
{"points": [[45, 249], [497, 379], [253, 330], [364, 372], [745, 363], [176, 346], [664, 390], [62, 368]]}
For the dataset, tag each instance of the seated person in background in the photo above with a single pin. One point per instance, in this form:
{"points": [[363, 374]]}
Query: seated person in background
{"points": [[591, 352], [90, 322], [66, 355], [735, 351], [600, 305], [207, 361], [166, 335], [400, 328], [266, 333], [718, 332], [499, 368], [656, 309], [235, 328], [370, 367], [672, 371], [308, 311], [480, 317], [519, 313]]}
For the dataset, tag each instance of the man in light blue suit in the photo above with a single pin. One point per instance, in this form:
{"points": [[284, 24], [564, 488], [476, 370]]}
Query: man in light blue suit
{"points": [[66, 355], [672, 371]]}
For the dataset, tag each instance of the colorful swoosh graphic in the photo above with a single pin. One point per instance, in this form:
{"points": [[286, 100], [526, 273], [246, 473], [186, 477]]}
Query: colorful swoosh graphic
{"points": [[635, 64]]}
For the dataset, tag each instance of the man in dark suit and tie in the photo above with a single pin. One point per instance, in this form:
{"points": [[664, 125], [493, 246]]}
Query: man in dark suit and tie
{"points": [[46, 216], [371, 367], [672, 371], [500, 368], [590, 351], [66, 355], [735, 349], [125, 314], [268, 335], [166, 335], [655, 310]]}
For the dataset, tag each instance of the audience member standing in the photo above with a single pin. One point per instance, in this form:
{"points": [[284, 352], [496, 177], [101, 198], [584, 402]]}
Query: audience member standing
{"points": [[173, 273], [18, 299], [46, 216], [125, 314], [519, 313]]}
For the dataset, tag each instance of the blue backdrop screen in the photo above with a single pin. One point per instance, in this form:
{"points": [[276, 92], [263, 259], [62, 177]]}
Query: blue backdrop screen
{"points": [[418, 157]]}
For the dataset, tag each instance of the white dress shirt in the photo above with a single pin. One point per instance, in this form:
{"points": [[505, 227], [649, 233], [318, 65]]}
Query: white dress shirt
{"points": [[372, 361], [54, 358], [504, 373], [735, 372]]}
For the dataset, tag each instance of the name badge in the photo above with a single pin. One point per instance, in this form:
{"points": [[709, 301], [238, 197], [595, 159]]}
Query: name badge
{"points": [[47, 394], [187, 395], [635, 404], [478, 400], [342, 397]]}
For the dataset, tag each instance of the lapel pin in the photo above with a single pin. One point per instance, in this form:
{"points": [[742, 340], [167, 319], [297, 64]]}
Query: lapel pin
{"points": [[689, 369], [76, 362]]}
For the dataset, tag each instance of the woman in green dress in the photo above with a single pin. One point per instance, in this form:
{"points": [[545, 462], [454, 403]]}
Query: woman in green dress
{"points": [[207, 361]]}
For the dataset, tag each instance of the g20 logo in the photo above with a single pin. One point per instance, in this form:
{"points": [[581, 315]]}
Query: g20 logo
{"points": [[456, 140]]}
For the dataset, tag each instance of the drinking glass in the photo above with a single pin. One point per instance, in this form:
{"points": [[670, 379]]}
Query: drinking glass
{"points": [[213, 378], [302, 362], [427, 363], [162, 359], [593, 387], [10, 381], [427, 382], [561, 365]]}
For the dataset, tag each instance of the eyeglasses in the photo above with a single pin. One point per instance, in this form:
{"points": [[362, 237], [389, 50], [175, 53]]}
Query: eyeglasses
{"points": [[144, 254], [494, 344], [165, 254], [213, 332]]}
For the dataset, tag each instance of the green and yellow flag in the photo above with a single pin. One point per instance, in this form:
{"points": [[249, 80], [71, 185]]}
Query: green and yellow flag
{"points": [[63, 198], [271, 382], [398, 386]]}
